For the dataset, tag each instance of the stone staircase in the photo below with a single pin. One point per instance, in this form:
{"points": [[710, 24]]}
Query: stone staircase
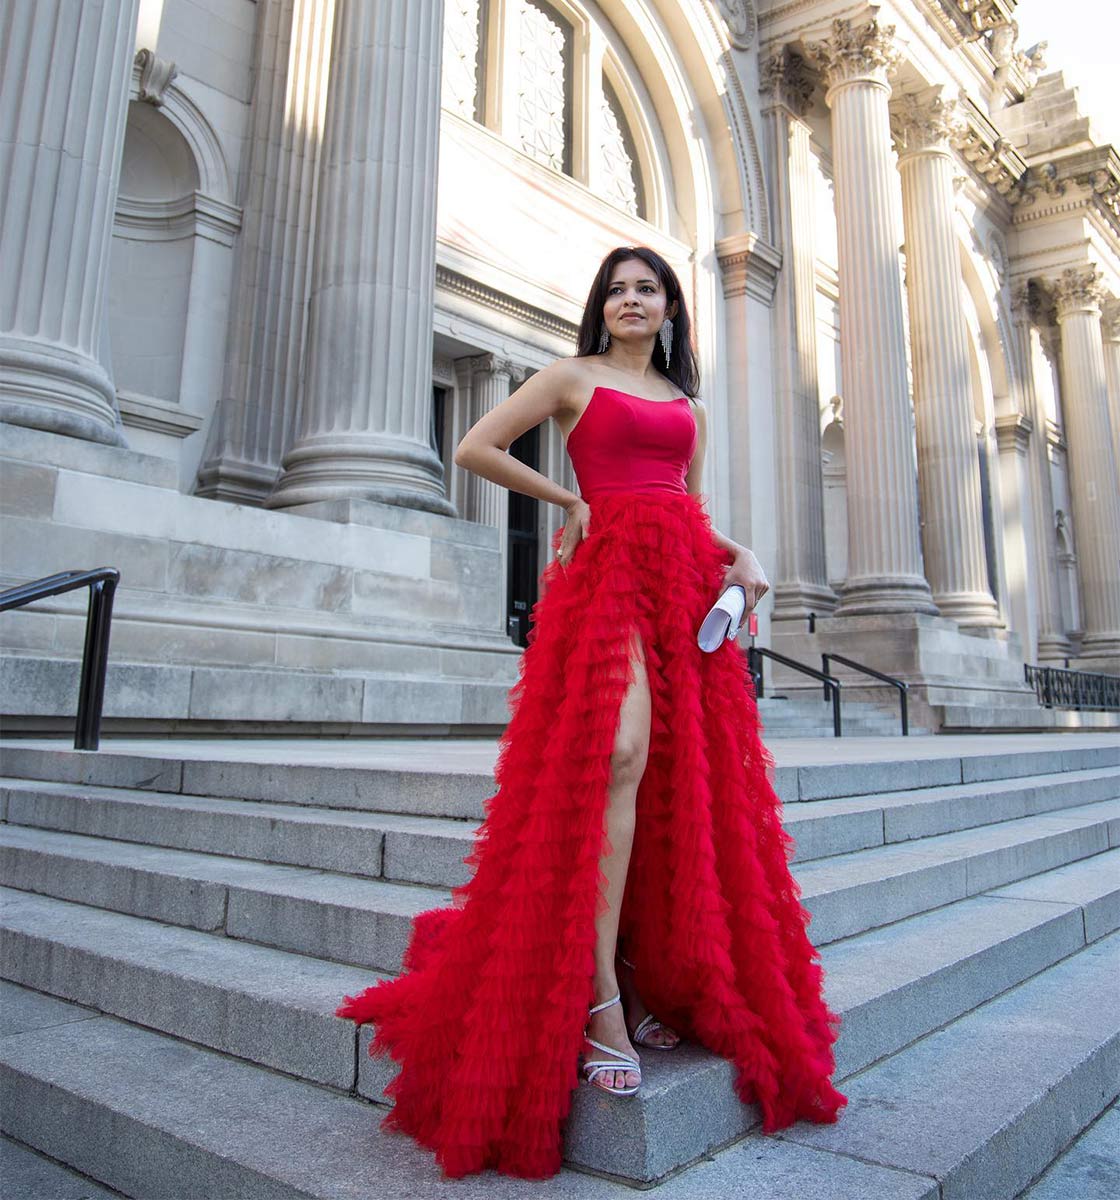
{"points": [[181, 918]]}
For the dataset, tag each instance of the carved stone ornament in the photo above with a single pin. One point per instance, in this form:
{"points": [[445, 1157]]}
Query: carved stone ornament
{"points": [[741, 21], [853, 52], [156, 75], [924, 124], [1078, 289], [787, 77]]}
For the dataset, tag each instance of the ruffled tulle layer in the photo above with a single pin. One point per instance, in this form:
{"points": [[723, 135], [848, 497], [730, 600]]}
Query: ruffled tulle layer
{"points": [[487, 1019]]}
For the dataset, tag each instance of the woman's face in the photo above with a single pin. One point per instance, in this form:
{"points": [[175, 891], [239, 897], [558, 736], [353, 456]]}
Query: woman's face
{"points": [[635, 305]]}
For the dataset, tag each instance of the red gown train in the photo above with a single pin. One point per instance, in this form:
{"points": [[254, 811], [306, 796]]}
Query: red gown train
{"points": [[488, 1016]]}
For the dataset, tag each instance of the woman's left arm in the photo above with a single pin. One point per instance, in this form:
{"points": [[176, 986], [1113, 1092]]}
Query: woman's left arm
{"points": [[745, 569]]}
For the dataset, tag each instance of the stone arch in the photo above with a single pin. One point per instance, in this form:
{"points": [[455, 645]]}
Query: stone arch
{"points": [[834, 468]]}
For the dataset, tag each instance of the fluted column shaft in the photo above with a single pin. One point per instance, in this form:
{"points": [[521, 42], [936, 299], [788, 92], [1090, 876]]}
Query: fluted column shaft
{"points": [[801, 583], [64, 81], [486, 380], [1110, 326], [1092, 464], [267, 338], [948, 470], [1053, 644], [366, 405], [884, 551]]}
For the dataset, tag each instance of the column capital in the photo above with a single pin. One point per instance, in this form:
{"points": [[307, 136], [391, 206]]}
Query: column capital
{"points": [[788, 81], [749, 266], [495, 364], [855, 53], [1013, 432], [1024, 303], [924, 124], [1078, 289], [1110, 319]]}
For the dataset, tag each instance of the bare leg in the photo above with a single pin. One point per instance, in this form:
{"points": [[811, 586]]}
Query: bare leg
{"points": [[628, 764]]}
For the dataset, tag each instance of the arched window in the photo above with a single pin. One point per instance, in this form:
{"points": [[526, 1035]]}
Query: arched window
{"points": [[541, 75], [543, 66], [622, 179], [464, 40]]}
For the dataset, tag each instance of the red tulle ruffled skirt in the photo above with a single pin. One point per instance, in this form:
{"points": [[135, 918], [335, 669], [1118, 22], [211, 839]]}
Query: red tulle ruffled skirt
{"points": [[487, 1018]]}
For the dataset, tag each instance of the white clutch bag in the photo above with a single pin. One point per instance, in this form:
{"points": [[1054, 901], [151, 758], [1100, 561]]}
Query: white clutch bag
{"points": [[723, 619]]}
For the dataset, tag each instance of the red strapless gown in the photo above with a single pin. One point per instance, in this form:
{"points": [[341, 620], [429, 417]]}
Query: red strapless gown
{"points": [[487, 1019]]}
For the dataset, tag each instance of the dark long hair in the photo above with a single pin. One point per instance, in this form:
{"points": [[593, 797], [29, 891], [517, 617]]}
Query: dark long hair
{"points": [[681, 369]]}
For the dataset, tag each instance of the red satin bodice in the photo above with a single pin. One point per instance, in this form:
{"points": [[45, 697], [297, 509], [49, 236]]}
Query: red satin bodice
{"points": [[625, 443]]}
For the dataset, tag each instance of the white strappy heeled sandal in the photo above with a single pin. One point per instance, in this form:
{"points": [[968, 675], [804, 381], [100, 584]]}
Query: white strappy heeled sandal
{"points": [[593, 1067], [648, 1025]]}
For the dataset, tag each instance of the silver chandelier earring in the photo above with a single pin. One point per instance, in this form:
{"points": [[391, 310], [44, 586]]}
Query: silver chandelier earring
{"points": [[666, 334], [604, 341]]}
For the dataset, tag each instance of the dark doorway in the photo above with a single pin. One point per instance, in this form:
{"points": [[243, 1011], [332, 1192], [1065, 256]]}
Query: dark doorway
{"points": [[524, 514]]}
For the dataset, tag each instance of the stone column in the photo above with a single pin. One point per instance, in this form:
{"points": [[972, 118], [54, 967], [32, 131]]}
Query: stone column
{"points": [[257, 414], [1110, 327], [64, 83], [366, 405], [801, 582], [948, 470], [884, 550], [1092, 465], [1052, 643], [485, 381]]}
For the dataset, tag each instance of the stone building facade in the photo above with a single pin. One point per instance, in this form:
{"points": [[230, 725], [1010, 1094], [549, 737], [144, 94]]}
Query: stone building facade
{"points": [[265, 261]]}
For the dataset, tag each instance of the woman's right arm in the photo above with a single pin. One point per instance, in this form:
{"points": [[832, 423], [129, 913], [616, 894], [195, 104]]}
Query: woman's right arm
{"points": [[484, 448]]}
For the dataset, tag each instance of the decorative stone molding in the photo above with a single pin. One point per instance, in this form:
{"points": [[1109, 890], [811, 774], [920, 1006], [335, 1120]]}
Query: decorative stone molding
{"points": [[1013, 433], [787, 79], [156, 75], [452, 282], [866, 52], [1079, 289], [741, 21], [993, 159], [921, 124], [749, 266]]}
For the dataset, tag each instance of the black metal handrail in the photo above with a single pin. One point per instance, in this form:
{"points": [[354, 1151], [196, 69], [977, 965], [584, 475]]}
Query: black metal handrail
{"points": [[102, 583], [1057, 687], [901, 684], [831, 685]]}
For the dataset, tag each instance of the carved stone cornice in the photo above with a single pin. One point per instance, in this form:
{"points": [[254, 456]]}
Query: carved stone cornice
{"points": [[924, 123], [975, 18], [1086, 177], [788, 80], [855, 52], [994, 159], [1078, 289]]}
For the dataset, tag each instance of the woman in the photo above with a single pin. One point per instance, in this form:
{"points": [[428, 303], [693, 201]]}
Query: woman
{"points": [[634, 808]]}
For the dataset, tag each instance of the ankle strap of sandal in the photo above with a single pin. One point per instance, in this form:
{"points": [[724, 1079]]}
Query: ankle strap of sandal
{"points": [[615, 999]]}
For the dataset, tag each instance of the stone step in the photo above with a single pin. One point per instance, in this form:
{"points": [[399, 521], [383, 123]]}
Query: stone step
{"points": [[30, 1176], [452, 777], [973, 1110], [891, 986], [1088, 1168], [155, 1117], [848, 893], [366, 922], [981, 719], [340, 917], [982, 1105], [430, 850]]}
